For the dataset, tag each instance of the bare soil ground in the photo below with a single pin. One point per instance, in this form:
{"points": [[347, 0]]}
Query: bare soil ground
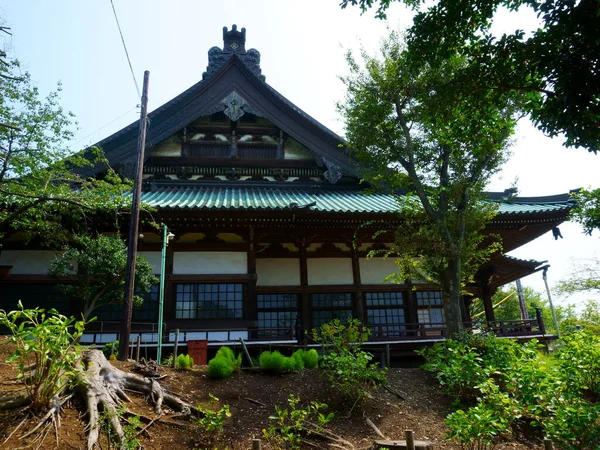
{"points": [[422, 409]]}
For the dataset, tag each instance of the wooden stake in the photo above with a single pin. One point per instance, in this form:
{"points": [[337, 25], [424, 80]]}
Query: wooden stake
{"points": [[134, 224], [410, 440], [548, 445], [256, 444], [246, 353], [175, 347], [137, 348]]}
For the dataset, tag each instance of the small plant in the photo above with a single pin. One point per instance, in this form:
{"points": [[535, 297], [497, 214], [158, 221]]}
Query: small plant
{"points": [[46, 351], [212, 419], [348, 368], [133, 424], [219, 367], [168, 361], [290, 423], [111, 348], [185, 361], [272, 361]]}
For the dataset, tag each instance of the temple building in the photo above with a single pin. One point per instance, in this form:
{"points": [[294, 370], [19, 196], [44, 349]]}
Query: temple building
{"points": [[268, 216]]}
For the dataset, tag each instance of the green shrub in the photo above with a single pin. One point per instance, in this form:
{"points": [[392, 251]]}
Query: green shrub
{"points": [[477, 428], [298, 359], [348, 368], [219, 367], [185, 362], [272, 361], [227, 353], [579, 360], [310, 358]]}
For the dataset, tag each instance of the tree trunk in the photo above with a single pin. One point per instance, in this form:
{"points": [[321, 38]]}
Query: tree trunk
{"points": [[452, 293]]}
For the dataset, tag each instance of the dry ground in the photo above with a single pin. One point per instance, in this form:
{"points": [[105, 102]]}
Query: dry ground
{"points": [[423, 410]]}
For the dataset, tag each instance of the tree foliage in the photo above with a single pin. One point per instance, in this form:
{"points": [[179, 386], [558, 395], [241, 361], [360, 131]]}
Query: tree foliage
{"points": [[587, 209], [428, 135], [560, 60], [99, 266], [41, 193]]}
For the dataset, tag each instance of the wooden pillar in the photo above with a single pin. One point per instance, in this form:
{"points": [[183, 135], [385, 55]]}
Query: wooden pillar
{"points": [[359, 305], [487, 303], [410, 309], [251, 300], [305, 314], [466, 311]]}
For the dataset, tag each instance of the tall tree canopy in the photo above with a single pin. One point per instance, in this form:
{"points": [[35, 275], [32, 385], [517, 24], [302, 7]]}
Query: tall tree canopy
{"points": [[560, 60], [41, 192], [427, 135]]}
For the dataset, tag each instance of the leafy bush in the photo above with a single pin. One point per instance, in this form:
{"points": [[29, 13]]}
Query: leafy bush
{"points": [[579, 359], [46, 350], [559, 395], [292, 422], [310, 358], [272, 361], [184, 361], [227, 353], [348, 368], [219, 367]]}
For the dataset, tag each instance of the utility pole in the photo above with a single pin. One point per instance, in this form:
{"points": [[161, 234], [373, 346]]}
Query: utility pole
{"points": [[133, 228], [545, 277], [522, 305]]}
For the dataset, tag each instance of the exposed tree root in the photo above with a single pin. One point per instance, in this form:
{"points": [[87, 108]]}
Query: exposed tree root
{"points": [[103, 388]]}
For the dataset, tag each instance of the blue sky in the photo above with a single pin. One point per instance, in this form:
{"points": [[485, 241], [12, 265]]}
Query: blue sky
{"points": [[302, 45]]}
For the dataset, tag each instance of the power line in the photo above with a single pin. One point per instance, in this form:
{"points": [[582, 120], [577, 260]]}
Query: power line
{"points": [[125, 47], [104, 126]]}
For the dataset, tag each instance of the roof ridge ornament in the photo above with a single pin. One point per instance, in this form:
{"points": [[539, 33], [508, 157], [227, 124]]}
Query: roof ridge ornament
{"points": [[234, 43], [234, 106]]}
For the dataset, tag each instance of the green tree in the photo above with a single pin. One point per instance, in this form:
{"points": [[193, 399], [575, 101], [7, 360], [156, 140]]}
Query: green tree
{"points": [[559, 60], [587, 209], [99, 268], [424, 134], [41, 193]]}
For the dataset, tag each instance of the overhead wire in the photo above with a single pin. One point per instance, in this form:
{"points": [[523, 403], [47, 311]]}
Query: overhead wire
{"points": [[126, 52]]}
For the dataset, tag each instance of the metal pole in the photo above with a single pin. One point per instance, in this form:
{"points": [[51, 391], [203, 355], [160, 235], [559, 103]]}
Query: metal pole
{"points": [[545, 269], [133, 227], [161, 294]]}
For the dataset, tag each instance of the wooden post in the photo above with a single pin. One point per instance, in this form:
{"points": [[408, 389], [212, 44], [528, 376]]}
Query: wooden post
{"points": [[137, 348], [410, 440], [388, 356], [134, 225], [548, 445], [246, 352], [175, 346], [256, 444]]}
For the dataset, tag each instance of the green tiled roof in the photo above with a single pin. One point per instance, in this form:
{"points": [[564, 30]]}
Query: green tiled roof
{"points": [[331, 201]]}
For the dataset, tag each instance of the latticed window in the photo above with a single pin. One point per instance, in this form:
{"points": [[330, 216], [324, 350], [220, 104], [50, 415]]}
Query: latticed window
{"points": [[209, 301], [329, 306], [147, 311], [277, 314], [386, 310], [429, 308]]}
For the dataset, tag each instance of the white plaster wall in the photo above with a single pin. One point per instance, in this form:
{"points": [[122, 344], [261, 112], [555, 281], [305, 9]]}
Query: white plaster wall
{"points": [[154, 259], [198, 263], [330, 271], [278, 272], [375, 270], [27, 262]]}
